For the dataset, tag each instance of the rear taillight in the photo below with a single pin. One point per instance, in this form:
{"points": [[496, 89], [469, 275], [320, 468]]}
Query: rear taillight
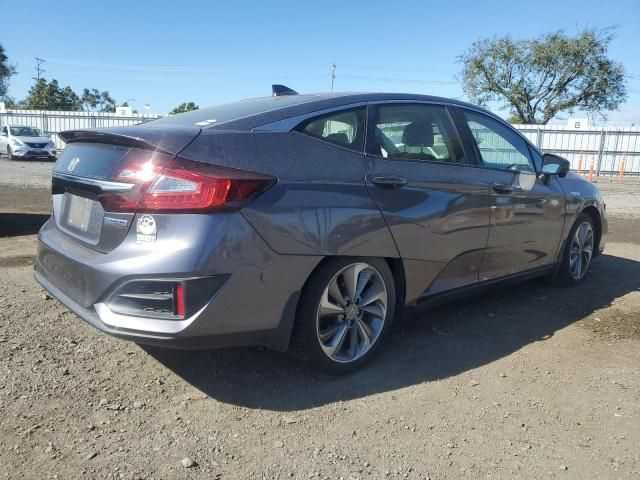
{"points": [[184, 185]]}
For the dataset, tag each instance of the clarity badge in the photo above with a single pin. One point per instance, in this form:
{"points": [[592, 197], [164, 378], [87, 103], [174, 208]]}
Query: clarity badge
{"points": [[146, 229], [117, 222]]}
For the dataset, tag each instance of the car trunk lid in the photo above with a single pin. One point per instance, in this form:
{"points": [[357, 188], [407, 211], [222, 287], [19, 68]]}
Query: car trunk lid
{"points": [[90, 186]]}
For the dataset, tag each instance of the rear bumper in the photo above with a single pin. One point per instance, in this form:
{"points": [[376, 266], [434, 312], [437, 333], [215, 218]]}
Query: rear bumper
{"points": [[89, 315], [254, 306]]}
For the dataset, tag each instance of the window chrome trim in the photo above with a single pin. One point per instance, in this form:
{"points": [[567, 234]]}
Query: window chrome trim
{"points": [[452, 122], [510, 128], [288, 124], [462, 107], [103, 185], [501, 120]]}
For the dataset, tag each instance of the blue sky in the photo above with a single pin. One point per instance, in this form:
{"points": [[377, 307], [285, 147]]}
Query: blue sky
{"points": [[163, 53]]}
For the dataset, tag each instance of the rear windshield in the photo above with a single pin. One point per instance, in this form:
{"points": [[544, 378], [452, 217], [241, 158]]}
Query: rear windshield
{"points": [[93, 160], [211, 116]]}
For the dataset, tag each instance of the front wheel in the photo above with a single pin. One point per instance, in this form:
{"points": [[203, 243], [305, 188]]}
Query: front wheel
{"points": [[345, 311], [9, 153], [578, 252]]}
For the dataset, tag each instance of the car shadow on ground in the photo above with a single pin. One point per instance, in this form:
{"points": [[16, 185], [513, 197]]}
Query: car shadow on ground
{"points": [[17, 224], [436, 344]]}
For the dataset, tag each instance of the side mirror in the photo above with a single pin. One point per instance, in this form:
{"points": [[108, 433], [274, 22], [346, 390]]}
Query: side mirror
{"points": [[3, 134], [555, 165]]}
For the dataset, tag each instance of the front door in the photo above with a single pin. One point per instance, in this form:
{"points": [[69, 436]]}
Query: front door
{"points": [[429, 194], [527, 211]]}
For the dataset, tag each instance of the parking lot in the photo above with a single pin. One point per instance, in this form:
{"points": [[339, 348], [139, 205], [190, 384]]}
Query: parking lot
{"points": [[528, 381]]}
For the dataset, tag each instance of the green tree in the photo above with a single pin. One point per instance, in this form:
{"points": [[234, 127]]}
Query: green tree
{"points": [[45, 95], [540, 77], [94, 100], [184, 107], [7, 70]]}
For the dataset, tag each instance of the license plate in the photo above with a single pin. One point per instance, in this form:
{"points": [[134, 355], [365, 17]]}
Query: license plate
{"points": [[37, 150], [79, 213]]}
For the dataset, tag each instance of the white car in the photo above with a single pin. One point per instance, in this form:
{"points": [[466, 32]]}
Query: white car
{"points": [[21, 141]]}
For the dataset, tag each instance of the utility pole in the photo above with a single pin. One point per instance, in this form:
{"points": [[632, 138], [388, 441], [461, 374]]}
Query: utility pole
{"points": [[39, 69], [333, 74]]}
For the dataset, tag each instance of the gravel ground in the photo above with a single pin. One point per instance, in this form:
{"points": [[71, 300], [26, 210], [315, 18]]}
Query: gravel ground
{"points": [[528, 381], [29, 173]]}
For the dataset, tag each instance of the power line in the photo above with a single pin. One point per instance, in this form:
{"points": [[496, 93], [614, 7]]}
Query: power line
{"points": [[333, 74], [401, 80], [396, 68], [114, 66]]}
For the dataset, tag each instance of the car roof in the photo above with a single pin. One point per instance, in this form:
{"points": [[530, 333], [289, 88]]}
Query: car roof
{"points": [[253, 112]]}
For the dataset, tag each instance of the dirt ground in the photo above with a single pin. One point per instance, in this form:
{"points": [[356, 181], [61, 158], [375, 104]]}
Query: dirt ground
{"points": [[528, 381]]}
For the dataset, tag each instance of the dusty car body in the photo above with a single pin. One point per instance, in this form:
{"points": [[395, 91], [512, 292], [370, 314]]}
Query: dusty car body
{"points": [[338, 211]]}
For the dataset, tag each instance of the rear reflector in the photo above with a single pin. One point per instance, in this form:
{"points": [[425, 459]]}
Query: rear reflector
{"points": [[178, 299], [183, 185]]}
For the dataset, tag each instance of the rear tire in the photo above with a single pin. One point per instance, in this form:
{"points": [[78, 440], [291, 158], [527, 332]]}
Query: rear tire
{"points": [[578, 253], [345, 311]]}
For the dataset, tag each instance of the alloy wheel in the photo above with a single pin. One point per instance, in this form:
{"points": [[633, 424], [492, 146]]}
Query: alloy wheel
{"points": [[352, 312], [581, 250]]}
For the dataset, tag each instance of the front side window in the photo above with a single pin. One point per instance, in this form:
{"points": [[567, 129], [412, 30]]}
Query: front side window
{"points": [[415, 132], [537, 158], [499, 147], [344, 128]]}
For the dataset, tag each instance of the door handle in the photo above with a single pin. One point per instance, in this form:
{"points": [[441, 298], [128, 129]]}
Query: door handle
{"points": [[502, 188], [389, 181]]}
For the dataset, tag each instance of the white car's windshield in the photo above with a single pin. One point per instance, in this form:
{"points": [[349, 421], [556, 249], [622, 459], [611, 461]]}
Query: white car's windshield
{"points": [[26, 132]]}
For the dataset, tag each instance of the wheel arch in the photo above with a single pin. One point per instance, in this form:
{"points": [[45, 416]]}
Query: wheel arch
{"points": [[395, 265], [592, 211]]}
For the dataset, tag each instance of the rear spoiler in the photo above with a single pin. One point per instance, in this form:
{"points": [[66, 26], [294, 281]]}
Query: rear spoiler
{"points": [[170, 140]]}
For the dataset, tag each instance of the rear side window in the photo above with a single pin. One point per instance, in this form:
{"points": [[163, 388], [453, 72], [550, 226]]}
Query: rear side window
{"points": [[415, 132], [499, 147], [344, 128]]}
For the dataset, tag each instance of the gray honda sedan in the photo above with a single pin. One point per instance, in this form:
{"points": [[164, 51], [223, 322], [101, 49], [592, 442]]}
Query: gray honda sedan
{"points": [[305, 222]]}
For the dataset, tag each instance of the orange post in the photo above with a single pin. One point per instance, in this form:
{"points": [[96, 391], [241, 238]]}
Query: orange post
{"points": [[593, 159], [624, 157], [580, 164]]}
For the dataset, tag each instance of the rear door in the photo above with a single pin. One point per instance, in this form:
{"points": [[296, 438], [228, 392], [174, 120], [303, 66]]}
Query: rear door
{"points": [[527, 213], [426, 187]]}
